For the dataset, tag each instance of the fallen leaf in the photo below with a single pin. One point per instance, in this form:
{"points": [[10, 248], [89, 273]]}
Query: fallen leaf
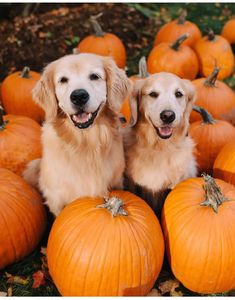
{"points": [[168, 286], [3, 294], [9, 291], [43, 250], [154, 293], [38, 279], [176, 294], [16, 279]]}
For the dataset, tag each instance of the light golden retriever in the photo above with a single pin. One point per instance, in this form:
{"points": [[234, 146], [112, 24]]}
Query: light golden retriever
{"points": [[82, 147], [159, 152]]}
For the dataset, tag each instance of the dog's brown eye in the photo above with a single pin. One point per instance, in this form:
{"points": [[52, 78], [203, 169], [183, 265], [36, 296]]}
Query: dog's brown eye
{"points": [[178, 94], [64, 80], [154, 94], [94, 77]]}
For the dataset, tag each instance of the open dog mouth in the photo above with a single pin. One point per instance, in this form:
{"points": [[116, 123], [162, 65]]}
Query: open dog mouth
{"points": [[164, 132], [83, 119]]}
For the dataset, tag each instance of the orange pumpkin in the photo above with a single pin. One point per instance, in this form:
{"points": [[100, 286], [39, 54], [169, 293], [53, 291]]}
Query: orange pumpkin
{"points": [[228, 31], [20, 142], [213, 95], [169, 32], [17, 95], [125, 109], [105, 249], [174, 58], [22, 218], [210, 136], [106, 44], [199, 242], [224, 166], [214, 50]]}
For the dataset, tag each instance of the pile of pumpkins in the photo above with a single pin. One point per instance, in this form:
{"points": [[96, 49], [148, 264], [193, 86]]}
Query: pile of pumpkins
{"points": [[115, 246]]}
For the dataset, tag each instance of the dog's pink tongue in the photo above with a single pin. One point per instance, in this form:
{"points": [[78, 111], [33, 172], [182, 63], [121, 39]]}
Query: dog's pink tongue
{"points": [[82, 117], [165, 131]]}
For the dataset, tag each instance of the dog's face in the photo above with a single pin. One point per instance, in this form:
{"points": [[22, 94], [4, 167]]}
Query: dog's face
{"points": [[165, 101], [81, 85]]}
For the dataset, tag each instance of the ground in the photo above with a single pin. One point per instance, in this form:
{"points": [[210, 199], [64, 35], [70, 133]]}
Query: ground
{"points": [[44, 32]]}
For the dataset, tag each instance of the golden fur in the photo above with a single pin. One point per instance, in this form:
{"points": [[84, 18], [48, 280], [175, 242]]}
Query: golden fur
{"points": [[155, 165], [79, 162]]}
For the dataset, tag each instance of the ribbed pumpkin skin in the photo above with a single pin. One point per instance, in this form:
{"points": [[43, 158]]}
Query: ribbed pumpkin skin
{"points": [[17, 96], [224, 166], [228, 31], [209, 139], [91, 253], [107, 45], [215, 53], [183, 63], [22, 218], [218, 99], [20, 142], [169, 32], [200, 244]]}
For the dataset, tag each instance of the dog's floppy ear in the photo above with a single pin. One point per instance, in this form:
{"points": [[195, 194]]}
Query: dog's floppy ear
{"points": [[44, 93], [191, 94], [135, 101], [118, 84]]}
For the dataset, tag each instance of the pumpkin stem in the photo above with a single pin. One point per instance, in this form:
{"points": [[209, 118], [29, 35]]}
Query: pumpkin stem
{"points": [[214, 196], [210, 34], [211, 79], [206, 116], [114, 205], [182, 17], [96, 26], [143, 73], [175, 46], [25, 73], [2, 122]]}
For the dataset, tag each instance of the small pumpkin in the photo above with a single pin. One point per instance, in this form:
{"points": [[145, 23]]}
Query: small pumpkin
{"points": [[228, 31], [224, 166], [16, 93], [106, 44], [214, 50], [169, 32], [20, 142], [210, 135], [174, 58], [198, 222], [22, 218], [125, 109], [105, 249], [213, 95]]}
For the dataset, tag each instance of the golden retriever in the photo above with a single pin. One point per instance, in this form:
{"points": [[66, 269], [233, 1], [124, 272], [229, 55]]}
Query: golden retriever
{"points": [[83, 151], [159, 152]]}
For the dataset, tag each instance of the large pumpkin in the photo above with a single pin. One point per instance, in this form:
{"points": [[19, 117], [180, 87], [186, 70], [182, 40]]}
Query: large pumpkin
{"points": [[224, 166], [169, 32], [210, 136], [105, 253], [20, 142], [213, 95], [16, 93], [200, 243], [106, 44], [174, 58], [22, 218], [228, 31], [214, 50]]}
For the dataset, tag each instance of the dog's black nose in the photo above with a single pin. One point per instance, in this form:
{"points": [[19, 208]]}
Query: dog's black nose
{"points": [[167, 116], [79, 97]]}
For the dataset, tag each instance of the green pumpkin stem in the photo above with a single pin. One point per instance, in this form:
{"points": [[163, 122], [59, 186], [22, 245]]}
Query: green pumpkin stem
{"points": [[175, 46], [182, 17], [2, 122], [114, 205], [96, 26], [25, 73], [143, 72], [214, 197], [211, 79], [210, 34], [206, 116]]}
